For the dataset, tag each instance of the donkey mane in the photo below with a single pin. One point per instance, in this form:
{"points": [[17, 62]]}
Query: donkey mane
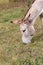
{"points": [[28, 10]]}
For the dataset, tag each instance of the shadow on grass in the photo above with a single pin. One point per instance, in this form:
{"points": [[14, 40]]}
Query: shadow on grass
{"points": [[38, 37]]}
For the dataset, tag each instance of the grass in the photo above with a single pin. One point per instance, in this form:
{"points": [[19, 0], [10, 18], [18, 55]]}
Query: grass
{"points": [[12, 50], [4, 1]]}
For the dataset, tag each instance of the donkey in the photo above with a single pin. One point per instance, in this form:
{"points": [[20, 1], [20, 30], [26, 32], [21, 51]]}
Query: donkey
{"points": [[27, 23]]}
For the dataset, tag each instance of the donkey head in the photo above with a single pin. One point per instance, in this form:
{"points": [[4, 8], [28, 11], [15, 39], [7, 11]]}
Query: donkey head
{"points": [[27, 31], [26, 28]]}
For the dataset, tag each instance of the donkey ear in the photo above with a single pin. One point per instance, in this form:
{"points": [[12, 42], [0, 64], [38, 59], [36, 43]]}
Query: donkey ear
{"points": [[15, 21]]}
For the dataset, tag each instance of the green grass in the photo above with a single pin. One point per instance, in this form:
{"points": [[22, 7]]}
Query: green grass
{"points": [[12, 49]]}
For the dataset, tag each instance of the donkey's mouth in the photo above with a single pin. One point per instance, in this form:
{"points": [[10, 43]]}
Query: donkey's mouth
{"points": [[26, 40]]}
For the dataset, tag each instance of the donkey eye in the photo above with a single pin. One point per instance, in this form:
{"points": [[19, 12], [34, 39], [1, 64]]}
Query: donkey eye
{"points": [[24, 30]]}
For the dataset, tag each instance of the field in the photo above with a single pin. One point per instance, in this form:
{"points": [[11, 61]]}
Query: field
{"points": [[12, 49]]}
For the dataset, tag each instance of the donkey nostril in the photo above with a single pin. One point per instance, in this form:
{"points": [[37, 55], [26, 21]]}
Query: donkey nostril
{"points": [[24, 30], [31, 34]]}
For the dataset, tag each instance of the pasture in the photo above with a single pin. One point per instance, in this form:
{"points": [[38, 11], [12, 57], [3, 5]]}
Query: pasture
{"points": [[12, 50]]}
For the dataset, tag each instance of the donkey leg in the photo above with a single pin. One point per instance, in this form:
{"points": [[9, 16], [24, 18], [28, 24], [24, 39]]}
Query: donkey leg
{"points": [[41, 17]]}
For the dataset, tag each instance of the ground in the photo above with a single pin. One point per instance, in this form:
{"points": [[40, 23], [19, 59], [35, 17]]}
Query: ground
{"points": [[12, 49]]}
